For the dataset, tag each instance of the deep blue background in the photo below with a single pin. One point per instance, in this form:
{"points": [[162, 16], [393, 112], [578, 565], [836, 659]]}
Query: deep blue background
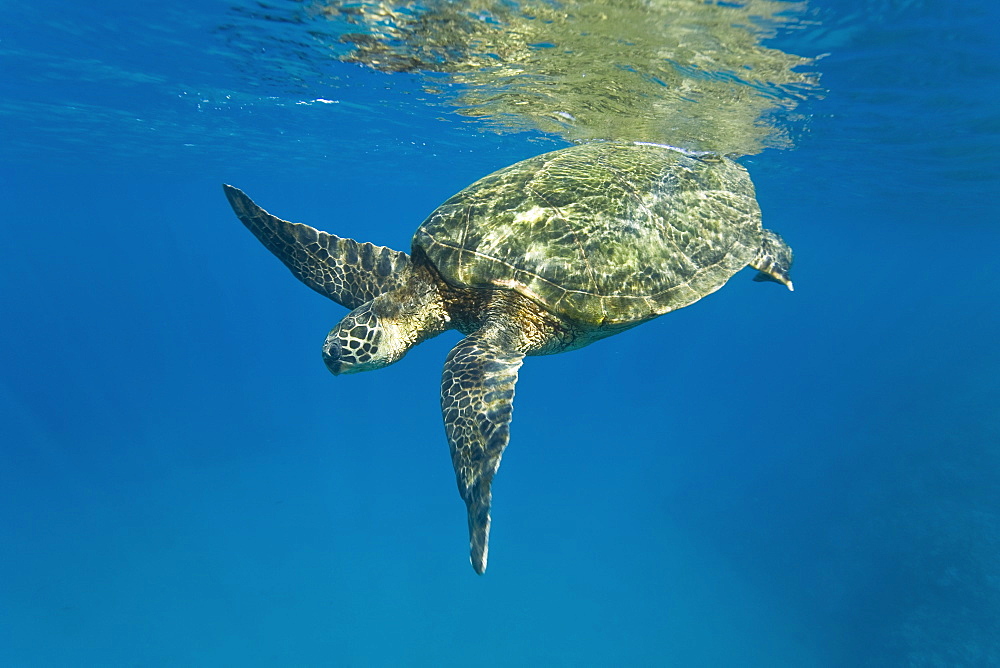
{"points": [[766, 479]]}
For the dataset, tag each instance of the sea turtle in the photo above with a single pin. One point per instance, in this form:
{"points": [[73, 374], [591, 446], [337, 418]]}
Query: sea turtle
{"points": [[547, 255]]}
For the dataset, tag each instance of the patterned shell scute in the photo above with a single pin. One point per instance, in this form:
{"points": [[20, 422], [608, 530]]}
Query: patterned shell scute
{"points": [[603, 233]]}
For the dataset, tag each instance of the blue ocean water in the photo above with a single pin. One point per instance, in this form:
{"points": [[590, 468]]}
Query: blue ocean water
{"points": [[763, 479]]}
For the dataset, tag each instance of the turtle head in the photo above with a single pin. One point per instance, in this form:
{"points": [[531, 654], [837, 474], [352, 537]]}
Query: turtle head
{"points": [[362, 341], [381, 331]]}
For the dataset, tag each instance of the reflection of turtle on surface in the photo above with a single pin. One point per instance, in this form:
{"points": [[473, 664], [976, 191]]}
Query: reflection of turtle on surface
{"points": [[544, 256]]}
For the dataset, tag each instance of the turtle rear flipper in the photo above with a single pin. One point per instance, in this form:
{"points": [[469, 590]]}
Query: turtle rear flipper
{"points": [[774, 259], [348, 272], [477, 395]]}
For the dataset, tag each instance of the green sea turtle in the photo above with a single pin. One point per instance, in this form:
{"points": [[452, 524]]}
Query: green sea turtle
{"points": [[547, 255]]}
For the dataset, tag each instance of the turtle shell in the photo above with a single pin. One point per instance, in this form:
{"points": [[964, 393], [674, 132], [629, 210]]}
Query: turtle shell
{"points": [[601, 234]]}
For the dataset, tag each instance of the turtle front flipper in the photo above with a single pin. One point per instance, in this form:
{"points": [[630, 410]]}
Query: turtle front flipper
{"points": [[477, 394], [348, 272]]}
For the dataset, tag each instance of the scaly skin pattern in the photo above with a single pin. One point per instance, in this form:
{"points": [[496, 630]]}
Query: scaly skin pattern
{"points": [[602, 234], [347, 272], [477, 401], [477, 398]]}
